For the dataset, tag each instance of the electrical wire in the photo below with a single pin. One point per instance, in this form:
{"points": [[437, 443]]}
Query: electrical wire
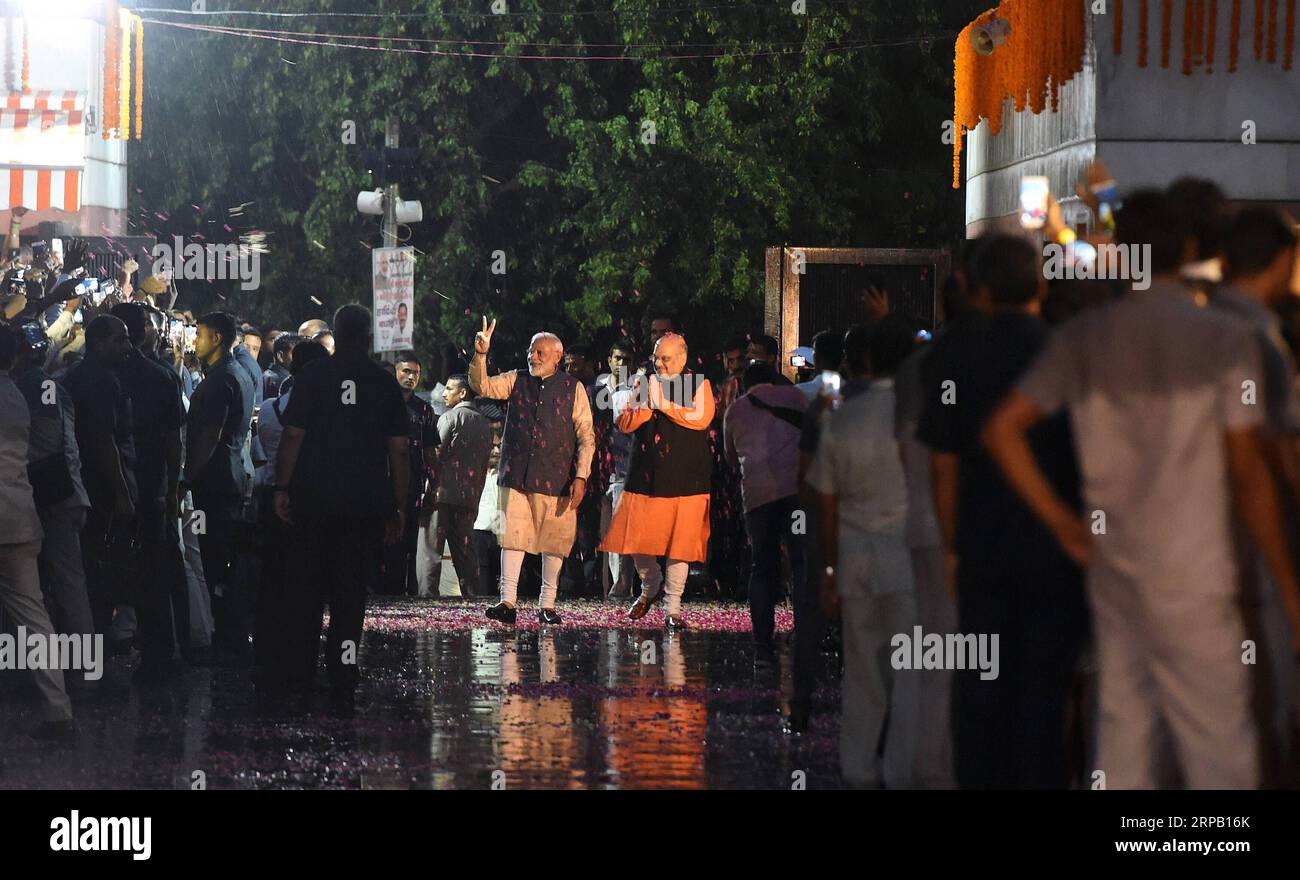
{"points": [[296, 37]]}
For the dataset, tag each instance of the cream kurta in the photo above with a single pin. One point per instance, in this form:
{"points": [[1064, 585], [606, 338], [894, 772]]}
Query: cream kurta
{"points": [[534, 522]]}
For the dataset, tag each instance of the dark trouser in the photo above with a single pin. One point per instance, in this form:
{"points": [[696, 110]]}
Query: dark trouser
{"points": [[109, 584], [101, 584], [1010, 732], [273, 587], [149, 590], [488, 553], [769, 527], [231, 606], [329, 562], [728, 547], [810, 623], [455, 525], [400, 578]]}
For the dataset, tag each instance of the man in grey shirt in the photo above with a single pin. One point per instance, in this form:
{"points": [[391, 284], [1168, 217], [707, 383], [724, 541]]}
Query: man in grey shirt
{"points": [[465, 437], [1167, 439], [1259, 257]]}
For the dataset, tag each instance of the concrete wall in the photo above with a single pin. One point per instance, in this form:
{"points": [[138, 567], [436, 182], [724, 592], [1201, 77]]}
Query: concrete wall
{"points": [[1150, 125]]}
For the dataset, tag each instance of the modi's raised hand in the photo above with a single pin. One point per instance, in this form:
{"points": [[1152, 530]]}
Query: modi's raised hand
{"points": [[483, 338]]}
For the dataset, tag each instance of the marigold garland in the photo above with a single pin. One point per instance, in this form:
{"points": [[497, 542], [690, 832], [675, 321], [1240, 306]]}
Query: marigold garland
{"points": [[1272, 31], [111, 66], [1234, 39], [124, 90], [139, 77], [1143, 13], [27, 63], [1210, 35], [1043, 52], [1198, 33], [1289, 36], [1259, 29]]}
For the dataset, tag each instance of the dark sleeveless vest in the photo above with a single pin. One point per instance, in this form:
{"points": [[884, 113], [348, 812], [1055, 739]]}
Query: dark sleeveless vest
{"points": [[669, 461], [538, 443]]}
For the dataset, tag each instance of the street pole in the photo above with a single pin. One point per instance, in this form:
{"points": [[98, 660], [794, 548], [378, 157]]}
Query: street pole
{"points": [[392, 134]]}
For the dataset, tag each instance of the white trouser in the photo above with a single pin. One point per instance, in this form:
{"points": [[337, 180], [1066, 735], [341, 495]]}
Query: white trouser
{"points": [[427, 559], [1171, 651], [873, 691], [936, 613], [653, 579], [200, 602], [512, 562], [609, 504], [20, 593]]}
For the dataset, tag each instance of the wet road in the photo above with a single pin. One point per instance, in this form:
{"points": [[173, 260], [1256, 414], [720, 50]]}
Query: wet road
{"points": [[449, 700]]}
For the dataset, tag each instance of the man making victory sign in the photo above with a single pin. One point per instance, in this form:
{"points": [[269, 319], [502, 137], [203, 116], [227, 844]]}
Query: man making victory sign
{"points": [[546, 451]]}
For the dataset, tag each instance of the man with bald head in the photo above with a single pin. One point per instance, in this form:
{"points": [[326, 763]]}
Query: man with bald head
{"points": [[546, 451], [308, 329], [664, 510]]}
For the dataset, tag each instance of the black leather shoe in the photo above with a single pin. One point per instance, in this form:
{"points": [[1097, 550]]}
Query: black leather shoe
{"points": [[502, 612], [674, 623], [548, 616], [642, 605]]}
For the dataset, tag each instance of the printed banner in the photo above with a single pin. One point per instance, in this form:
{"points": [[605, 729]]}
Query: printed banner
{"points": [[393, 272]]}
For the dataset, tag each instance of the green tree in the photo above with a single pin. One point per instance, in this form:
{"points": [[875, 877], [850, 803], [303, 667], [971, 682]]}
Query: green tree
{"points": [[614, 187]]}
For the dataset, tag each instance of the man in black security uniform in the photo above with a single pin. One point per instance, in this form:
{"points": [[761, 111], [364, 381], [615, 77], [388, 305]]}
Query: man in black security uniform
{"points": [[157, 415], [399, 559], [1010, 575], [103, 426], [220, 412], [342, 476]]}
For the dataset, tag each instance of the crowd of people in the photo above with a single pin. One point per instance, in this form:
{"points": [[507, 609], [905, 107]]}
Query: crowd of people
{"points": [[1099, 481]]}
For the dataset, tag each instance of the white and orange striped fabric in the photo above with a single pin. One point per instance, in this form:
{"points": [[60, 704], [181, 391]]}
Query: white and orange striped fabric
{"points": [[45, 101], [39, 188], [42, 146]]}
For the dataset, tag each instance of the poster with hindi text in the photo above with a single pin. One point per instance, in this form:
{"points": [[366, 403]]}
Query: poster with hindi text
{"points": [[393, 274]]}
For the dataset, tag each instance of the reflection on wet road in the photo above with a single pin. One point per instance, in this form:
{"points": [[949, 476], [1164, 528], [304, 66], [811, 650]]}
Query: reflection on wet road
{"points": [[451, 701]]}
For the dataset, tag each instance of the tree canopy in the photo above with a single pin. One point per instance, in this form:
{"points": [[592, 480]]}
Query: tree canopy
{"points": [[619, 180]]}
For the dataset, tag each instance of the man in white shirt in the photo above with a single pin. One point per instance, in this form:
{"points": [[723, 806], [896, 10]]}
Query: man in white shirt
{"points": [[861, 491], [1167, 439]]}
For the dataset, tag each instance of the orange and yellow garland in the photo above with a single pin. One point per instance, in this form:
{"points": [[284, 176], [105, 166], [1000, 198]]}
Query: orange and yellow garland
{"points": [[139, 77], [1047, 41], [120, 26], [1043, 51]]}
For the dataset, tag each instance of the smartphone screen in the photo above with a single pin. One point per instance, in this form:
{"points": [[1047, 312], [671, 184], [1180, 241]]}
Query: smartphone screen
{"points": [[1033, 202], [76, 317], [56, 245], [191, 333], [176, 332]]}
